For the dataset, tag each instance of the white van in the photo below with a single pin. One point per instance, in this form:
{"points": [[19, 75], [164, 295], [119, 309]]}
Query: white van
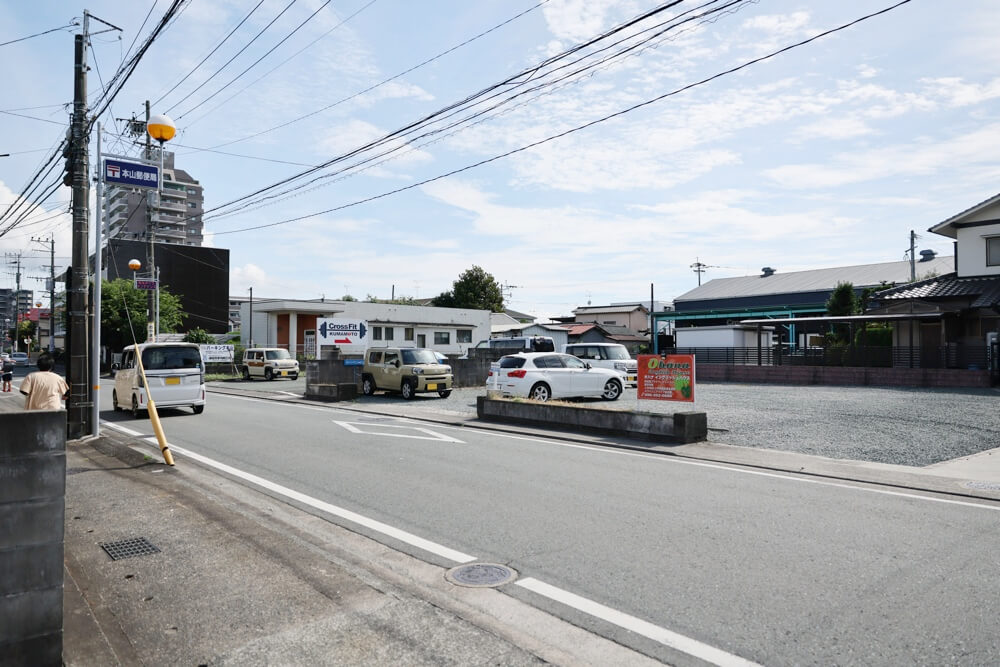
{"points": [[607, 355], [174, 372], [517, 344]]}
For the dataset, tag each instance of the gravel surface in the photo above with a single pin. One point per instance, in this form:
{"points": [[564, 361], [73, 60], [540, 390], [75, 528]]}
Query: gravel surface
{"points": [[904, 426]]}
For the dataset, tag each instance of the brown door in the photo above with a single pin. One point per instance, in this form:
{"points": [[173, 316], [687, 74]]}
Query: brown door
{"points": [[931, 352]]}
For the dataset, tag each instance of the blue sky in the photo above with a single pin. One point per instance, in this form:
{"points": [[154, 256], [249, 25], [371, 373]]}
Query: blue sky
{"points": [[826, 155]]}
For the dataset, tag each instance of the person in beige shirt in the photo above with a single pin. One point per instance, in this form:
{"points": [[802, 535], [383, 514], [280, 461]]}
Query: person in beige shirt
{"points": [[43, 389]]}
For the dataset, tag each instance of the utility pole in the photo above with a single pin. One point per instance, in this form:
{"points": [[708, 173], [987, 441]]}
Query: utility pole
{"points": [[151, 237], [913, 258], [17, 301], [78, 413]]}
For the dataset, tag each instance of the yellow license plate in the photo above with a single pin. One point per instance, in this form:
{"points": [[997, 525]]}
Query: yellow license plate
{"points": [[172, 381], [432, 387]]}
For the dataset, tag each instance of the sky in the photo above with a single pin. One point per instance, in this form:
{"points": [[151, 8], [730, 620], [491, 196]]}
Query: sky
{"points": [[589, 184]]}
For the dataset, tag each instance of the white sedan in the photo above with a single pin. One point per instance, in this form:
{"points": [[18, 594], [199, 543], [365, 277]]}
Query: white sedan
{"points": [[545, 375]]}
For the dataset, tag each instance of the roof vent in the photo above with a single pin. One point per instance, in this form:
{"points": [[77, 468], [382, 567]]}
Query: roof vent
{"points": [[766, 271], [927, 255]]}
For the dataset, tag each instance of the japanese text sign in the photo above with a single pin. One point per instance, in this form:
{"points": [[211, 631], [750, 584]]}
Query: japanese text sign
{"points": [[666, 378]]}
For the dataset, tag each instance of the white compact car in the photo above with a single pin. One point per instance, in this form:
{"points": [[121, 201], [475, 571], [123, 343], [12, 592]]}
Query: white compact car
{"points": [[544, 375], [607, 355], [174, 372]]}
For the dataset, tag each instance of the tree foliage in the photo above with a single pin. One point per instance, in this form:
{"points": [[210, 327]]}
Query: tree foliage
{"points": [[843, 301], [123, 313], [200, 336], [475, 288]]}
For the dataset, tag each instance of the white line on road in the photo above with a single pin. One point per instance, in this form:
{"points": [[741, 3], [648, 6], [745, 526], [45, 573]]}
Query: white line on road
{"points": [[595, 609], [371, 524], [637, 625], [428, 434]]}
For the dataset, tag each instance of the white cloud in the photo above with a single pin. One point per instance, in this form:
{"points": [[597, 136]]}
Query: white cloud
{"points": [[918, 158], [833, 128], [576, 20], [356, 133]]}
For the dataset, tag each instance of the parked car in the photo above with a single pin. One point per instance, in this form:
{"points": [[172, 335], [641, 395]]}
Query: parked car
{"points": [[607, 355], [408, 370], [269, 363], [20, 358], [543, 375], [175, 375], [512, 345]]}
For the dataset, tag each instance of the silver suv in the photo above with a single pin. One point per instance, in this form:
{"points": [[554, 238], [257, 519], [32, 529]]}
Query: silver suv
{"points": [[408, 370]]}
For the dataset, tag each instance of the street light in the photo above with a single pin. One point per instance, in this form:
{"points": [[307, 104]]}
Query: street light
{"points": [[162, 129]]}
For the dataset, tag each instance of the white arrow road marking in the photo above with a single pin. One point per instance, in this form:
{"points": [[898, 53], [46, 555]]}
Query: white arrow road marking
{"points": [[428, 434]]}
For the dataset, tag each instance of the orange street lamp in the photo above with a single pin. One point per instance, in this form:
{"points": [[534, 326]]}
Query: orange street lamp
{"points": [[162, 129]]}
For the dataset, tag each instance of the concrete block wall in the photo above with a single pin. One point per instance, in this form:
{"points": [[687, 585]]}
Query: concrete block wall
{"points": [[32, 522], [843, 375]]}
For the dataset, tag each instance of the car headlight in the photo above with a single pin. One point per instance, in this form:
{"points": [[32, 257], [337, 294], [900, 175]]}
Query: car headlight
{"points": [[447, 369], [418, 371], [620, 366]]}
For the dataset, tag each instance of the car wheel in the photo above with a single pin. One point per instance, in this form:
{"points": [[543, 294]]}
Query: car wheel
{"points": [[368, 385], [268, 374], [246, 374], [408, 391], [612, 390], [540, 392], [444, 393], [135, 407], [198, 409], [114, 401]]}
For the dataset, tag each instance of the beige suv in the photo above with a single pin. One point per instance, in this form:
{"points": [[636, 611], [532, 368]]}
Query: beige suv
{"points": [[408, 370], [269, 363]]}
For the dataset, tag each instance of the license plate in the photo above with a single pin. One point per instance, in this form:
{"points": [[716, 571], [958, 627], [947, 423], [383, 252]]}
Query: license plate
{"points": [[172, 381], [282, 372], [630, 378], [432, 387]]}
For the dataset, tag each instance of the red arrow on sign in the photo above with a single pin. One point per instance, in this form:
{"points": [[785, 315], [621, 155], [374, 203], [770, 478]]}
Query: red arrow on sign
{"points": [[347, 341]]}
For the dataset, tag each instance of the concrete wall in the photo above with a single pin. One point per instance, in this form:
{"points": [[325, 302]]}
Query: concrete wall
{"points": [[834, 375], [32, 521], [679, 427]]}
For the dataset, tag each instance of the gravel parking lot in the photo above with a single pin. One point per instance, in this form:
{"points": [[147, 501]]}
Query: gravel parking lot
{"points": [[904, 426]]}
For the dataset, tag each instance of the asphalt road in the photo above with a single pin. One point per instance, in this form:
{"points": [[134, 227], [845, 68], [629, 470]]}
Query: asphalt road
{"points": [[765, 567]]}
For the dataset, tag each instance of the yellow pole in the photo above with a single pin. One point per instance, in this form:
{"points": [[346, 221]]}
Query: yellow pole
{"points": [[154, 417]]}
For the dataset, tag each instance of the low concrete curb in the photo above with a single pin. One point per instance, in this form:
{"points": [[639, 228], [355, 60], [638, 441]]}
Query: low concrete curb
{"points": [[678, 428]]}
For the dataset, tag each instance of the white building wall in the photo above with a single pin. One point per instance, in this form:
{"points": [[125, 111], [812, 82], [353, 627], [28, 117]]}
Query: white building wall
{"points": [[972, 250], [721, 336]]}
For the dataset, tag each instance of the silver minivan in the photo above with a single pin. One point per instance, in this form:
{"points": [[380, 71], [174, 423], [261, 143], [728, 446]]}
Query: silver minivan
{"points": [[174, 372], [607, 355]]}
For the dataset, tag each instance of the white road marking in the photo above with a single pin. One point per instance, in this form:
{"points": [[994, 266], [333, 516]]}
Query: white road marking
{"points": [[595, 609], [371, 524], [428, 434], [674, 640]]}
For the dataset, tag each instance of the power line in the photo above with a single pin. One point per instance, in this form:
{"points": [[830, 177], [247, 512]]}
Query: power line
{"points": [[217, 47], [226, 64], [379, 84], [578, 128], [71, 24]]}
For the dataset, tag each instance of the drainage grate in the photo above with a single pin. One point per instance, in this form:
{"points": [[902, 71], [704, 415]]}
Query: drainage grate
{"points": [[134, 546], [480, 575]]}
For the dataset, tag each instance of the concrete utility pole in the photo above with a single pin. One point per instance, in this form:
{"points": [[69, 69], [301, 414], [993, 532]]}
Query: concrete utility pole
{"points": [[913, 258], [17, 300], [51, 280], [78, 413], [151, 237]]}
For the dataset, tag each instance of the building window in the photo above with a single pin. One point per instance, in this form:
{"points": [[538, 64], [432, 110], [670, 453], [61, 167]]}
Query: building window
{"points": [[389, 333], [442, 338], [993, 251], [192, 204], [376, 333], [610, 322], [408, 333], [463, 336]]}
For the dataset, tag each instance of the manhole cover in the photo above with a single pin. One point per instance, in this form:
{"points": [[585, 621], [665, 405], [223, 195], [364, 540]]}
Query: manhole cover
{"points": [[481, 575], [984, 486], [135, 546]]}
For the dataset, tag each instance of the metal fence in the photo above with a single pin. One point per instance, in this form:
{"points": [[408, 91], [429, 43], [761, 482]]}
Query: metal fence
{"points": [[974, 357]]}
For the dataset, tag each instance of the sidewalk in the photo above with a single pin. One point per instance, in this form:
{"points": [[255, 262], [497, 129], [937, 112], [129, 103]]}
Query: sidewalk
{"points": [[243, 578]]}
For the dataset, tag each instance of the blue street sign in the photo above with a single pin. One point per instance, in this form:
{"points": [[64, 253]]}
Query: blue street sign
{"points": [[130, 173], [354, 362]]}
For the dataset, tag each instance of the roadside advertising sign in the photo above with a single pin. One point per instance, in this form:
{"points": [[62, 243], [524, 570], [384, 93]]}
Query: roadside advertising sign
{"points": [[145, 283], [217, 353], [666, 378], [134, 174], [346, 334]]}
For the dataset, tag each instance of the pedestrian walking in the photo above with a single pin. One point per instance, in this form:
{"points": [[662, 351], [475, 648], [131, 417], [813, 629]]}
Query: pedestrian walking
{"points": [[44, 389], [6, 372]]}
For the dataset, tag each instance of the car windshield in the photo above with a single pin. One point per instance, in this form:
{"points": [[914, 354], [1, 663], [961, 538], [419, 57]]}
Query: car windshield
{"points": [[616, 352], [164, 358], [277, 354], [419, 356]]}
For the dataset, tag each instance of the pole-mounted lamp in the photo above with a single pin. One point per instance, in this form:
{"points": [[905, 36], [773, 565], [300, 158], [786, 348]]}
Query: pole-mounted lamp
{"points": [[162, 129]]}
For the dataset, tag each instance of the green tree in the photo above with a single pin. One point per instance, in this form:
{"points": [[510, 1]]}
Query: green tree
{"points": [[123, 313], [200, 336], [347, 297], [27, 329], [843, 301], [475, 288]]}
